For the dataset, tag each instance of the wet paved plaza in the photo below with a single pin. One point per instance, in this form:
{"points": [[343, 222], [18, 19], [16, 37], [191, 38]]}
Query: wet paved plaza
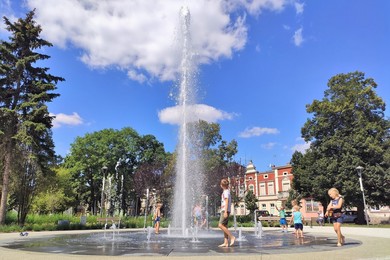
{"points": [[125, 243], [320, 243]]}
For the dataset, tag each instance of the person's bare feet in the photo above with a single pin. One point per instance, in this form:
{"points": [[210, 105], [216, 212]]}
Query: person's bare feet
{"points": [[232, 241], [223, 245]]}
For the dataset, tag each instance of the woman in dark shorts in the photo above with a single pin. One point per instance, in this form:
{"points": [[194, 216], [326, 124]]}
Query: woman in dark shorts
{"points": [[333, 211]]}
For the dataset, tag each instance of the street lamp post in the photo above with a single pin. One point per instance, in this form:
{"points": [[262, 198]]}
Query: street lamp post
{"points": [[360, 169], [104, 170], [146, 206]]}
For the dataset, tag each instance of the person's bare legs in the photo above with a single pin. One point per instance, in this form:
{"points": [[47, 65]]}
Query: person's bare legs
{"points": [[340, 237], [157, 228], [227, 235]]}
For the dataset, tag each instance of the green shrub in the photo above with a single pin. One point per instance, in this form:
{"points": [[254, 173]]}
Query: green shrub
{"points": [[265, 223], [37, 227], [245, 218], [10, 228], [11, 218]]}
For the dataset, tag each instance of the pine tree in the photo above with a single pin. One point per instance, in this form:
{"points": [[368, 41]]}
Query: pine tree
{"points": [[26, 145]]}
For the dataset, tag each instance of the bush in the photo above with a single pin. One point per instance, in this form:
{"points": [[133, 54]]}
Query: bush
{"points": [[10, 228], [11, 217], [245, 218]]}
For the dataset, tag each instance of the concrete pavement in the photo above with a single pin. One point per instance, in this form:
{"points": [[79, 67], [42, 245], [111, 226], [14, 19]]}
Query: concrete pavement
{"points": [[374, 244]]}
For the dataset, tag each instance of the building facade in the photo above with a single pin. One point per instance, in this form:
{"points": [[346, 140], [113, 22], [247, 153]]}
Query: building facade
{"points": [[271, 188]]}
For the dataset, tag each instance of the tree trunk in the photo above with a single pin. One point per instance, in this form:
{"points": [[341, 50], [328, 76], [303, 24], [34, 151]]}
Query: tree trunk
{"points": [[5, 188], [360, 214]]}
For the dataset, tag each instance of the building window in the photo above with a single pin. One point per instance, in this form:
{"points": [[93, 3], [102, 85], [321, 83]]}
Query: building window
{"points": [[286, 185], [285, 173], [265, 176], [312, 206], [262, 189], [272, 208], [251, 188], [250, 178], [264, 206], [271, 190]]}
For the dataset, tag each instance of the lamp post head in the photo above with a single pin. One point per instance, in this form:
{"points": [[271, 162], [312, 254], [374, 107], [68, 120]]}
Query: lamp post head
{"points": [[359, 168], [104, 169]]}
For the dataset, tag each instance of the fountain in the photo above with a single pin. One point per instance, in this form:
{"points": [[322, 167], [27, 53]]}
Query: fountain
{"points": [[149, 233], [188, 167], [240, 237], [258, 229], [188, 184]]}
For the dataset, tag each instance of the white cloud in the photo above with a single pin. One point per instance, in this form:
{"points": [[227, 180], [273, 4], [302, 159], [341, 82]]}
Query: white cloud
{"points": [[63, 119], [138, 36], [256, 6], [301, 147], [298, 38], [299, 7], [257, 131], [268, 146], [173, 115], [141, 78], [5, 10]]}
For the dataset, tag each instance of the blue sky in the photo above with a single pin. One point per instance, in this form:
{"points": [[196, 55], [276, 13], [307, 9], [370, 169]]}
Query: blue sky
{"points": [[260, 63]]}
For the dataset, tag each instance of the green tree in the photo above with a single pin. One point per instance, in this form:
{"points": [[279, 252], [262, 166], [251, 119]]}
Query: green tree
{"points": [[251, 201], [216, 156], [348, 129], [89, 154], [55, 193], [124, 153], [151, 166], [26, 146]]}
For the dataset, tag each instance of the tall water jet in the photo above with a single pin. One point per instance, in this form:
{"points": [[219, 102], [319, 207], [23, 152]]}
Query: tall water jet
{"points": [[188, 166]]}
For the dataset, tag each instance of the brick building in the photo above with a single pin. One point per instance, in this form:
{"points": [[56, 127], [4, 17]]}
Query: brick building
{"points": [[271, 188]]}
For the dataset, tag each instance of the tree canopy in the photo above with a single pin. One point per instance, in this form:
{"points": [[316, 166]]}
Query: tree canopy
{"points": [[348, 128], [139, 159], [26, 145]]}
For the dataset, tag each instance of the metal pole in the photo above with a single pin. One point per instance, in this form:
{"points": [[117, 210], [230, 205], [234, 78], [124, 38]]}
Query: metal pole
{"points": [[360, 168], [104, 169], [207, 211], [146, 206]]}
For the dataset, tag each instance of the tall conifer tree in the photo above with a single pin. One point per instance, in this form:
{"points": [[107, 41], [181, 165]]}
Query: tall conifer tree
{"points": [[26, 145]]}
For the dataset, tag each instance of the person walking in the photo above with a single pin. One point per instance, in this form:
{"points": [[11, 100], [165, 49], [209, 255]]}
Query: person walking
{"points": [[226, 201], [333, 211]]}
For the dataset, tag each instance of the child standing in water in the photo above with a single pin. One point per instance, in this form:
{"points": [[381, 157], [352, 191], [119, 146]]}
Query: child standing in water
{"points": [[334, 212], [226, 201], [297, 219], [157, 218], [282, 221], [293, 204]]}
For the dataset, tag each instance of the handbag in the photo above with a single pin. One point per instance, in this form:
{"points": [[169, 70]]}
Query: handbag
{"points": [[337, 214]]}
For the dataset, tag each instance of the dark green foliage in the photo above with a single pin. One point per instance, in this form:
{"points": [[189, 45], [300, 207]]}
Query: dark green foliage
{"points": [[217, 157], [142, 161], [347, 129], [251, 202], [26, 145]]}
